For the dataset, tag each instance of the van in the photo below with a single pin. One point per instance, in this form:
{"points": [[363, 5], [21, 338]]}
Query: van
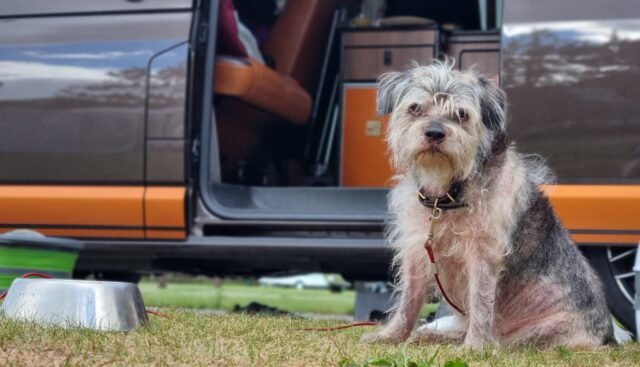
{"points": [[240, 137]]}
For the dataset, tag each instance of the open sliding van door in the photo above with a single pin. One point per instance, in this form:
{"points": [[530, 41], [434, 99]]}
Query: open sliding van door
{"points": [[92, 117], [570, 69]]}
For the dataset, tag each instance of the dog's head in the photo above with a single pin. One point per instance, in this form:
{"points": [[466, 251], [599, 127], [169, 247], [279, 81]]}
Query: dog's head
{"points": [[443, 122]]}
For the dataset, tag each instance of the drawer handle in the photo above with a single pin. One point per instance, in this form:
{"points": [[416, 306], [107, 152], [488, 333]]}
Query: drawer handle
{"points": [[388, 57]]}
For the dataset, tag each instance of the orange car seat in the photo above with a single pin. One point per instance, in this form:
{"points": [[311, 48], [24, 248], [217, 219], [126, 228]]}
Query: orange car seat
{"points": [[262, 87], [298, 40], [262, 95]]}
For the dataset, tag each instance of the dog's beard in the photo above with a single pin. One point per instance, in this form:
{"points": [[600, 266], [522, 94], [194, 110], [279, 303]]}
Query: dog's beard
{"points": [[434, 171]]}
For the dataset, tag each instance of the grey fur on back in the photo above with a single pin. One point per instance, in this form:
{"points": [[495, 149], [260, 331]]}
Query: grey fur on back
{"points": [[543, 248]]}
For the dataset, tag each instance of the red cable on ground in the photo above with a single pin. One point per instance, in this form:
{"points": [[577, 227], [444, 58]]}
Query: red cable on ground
{"points": [[34, 274], [26, 275], [156, 313], [341, 327], [45, 276]]}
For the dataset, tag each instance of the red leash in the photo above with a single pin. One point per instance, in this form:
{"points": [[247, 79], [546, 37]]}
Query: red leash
{"points": [[435, 216], [432, 258]]}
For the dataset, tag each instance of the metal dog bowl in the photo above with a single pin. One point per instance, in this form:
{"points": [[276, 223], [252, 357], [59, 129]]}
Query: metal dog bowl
{"points": [[109, 306]]}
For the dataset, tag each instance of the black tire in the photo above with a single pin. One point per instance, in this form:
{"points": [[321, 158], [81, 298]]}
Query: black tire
{"points": [[614, 264]]}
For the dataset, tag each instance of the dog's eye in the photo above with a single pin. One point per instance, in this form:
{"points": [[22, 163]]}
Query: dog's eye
{"points": [[462, 115], [414, 109]]}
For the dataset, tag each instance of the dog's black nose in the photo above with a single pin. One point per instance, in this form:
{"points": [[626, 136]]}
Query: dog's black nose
{"points": [[435, 133]]}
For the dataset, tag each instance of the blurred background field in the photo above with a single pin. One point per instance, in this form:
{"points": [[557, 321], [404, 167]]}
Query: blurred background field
{"points": [[205, 295], [226, 295]]}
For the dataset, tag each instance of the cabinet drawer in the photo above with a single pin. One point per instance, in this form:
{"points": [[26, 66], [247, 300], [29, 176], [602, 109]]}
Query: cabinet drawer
{"points": [[480, 50], [364, 157], [367, 63], [387, 38]]}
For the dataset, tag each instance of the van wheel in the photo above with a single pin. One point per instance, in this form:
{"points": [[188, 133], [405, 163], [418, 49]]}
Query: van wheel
{"points": [[614, 264]]}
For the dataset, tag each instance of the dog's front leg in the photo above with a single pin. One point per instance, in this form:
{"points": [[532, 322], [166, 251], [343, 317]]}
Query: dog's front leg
{"points": [[410, 300], [483, 279]]}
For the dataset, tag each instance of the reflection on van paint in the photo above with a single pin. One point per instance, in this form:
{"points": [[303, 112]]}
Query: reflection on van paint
{"points": [[591, 69]]}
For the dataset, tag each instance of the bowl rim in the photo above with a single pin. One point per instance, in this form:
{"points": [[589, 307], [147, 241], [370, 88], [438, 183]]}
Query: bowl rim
{"points": [[71, 281]]}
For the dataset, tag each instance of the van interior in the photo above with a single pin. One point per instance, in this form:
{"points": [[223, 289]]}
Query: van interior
{"points": [[295, 135]]}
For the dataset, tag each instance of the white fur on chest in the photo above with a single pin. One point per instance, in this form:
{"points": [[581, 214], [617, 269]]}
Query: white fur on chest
{"points": [[486, 222]]}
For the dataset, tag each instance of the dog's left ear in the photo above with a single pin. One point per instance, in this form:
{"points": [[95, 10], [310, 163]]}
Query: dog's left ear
{"points": [[389, 87], [493, 105]]}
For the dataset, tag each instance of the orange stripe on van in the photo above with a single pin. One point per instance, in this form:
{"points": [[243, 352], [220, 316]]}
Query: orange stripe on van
{"points": [[71, 205], [86, 233], [631, 239], [596, 207], [165, 207]]}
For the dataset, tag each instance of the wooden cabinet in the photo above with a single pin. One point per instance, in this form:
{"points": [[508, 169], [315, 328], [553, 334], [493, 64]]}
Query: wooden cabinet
{"points": [[478, 50], [367, 53]]}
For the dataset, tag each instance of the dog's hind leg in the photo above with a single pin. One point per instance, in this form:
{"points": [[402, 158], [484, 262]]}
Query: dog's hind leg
{"points": [[558, 329], [413, 290]]}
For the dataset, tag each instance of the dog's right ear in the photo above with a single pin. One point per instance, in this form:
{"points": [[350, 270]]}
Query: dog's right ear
{"points": [[493, 103], [389, 87]]}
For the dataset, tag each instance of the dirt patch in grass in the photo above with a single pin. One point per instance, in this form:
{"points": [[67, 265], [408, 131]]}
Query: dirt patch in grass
{"points": [[189, 339]]}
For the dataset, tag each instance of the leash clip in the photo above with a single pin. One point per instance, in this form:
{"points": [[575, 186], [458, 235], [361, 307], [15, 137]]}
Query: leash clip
{"points": [[435, 216]]}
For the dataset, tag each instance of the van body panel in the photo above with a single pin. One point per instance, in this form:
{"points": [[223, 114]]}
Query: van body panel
{"points": [[93, 115], [571, 75], [94, 102], [21, 8], [572, 83], [73, 95]]}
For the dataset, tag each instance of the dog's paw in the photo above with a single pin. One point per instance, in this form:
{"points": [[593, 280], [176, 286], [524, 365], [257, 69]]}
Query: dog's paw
{"points": [[425, 335], [380, 337]]}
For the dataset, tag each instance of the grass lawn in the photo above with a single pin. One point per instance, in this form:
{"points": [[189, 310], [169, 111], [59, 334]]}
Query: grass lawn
{"points": [[189, 339]]}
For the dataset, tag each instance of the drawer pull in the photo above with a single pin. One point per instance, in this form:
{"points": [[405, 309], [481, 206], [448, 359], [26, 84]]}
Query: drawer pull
{"points": [[388, 57]]}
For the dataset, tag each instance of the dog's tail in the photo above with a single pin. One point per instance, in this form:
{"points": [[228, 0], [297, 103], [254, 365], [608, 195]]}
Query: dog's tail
{"points": [[621, 335]]}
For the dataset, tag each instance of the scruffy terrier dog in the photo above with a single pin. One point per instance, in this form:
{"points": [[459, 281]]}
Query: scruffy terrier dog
{"points": [[469, 218]]}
